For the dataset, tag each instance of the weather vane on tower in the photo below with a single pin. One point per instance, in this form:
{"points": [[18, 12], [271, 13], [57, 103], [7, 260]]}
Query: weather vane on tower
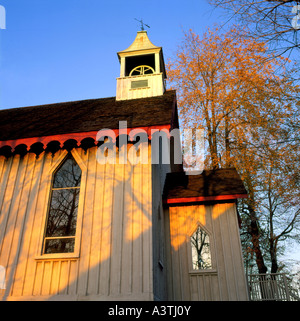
{"points": [[142, 24]]}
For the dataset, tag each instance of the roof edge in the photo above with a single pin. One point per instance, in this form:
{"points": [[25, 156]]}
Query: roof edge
{"points": [[201, 199]]}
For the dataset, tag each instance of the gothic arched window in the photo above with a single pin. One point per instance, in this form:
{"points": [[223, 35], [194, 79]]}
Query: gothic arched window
{"points": [[201, 253], [61, 222]]}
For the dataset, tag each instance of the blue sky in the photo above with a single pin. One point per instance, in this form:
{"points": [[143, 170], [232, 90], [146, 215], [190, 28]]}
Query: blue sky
{"points": [[64, 50]]}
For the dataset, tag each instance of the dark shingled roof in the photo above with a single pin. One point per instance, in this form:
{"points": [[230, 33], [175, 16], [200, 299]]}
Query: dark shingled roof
{"points": [[209, 183], [87, 115]]}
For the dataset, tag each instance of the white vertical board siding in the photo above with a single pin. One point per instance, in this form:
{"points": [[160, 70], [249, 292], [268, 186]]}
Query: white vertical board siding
{"points": [[226, 279], [155, 87], [115, 258]]}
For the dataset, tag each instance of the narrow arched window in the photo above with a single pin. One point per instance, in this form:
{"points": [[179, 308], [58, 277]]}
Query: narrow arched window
{"points": [[201, 254], [60, 229]]}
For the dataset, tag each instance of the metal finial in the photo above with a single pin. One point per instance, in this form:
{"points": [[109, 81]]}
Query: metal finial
{"points": [[142, 24]]}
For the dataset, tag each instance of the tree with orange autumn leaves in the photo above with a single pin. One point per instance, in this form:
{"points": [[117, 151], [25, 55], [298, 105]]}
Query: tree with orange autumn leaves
{"points": [[227, 85]]}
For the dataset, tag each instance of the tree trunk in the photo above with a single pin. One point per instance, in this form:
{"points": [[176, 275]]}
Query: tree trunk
{"points": [[213, 150], [254, 232], [227, 144], [253, 228], [274, 266]]}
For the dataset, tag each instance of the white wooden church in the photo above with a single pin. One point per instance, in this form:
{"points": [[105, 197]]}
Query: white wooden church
{"points": [[75, 228]]}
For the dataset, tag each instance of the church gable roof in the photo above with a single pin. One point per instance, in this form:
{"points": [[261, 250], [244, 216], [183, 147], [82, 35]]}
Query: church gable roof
{"points": [[210, 185], [87, 115]]}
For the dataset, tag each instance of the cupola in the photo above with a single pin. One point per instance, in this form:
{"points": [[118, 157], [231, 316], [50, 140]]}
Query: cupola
{"points": [[142, 70]]}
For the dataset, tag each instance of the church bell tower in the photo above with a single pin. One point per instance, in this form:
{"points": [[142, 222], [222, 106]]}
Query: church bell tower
{"points": [[142, 72]]}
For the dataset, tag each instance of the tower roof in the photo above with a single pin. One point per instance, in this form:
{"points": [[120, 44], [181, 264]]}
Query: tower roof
{"points": [[141, 42]]}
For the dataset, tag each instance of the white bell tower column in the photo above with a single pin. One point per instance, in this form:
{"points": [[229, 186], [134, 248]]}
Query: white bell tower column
{"points": [[142, 70]]}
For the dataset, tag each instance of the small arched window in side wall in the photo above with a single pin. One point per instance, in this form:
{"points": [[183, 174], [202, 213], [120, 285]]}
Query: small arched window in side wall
{"points": [[60, 230], [201, 251]]}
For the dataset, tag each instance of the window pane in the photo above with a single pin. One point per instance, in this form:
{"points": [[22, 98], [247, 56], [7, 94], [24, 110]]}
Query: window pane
{"points": [[201, 255], [63, 213], [59, 246], [68, 175]]}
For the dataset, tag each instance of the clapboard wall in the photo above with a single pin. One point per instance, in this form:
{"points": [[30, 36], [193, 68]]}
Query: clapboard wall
{"points": [[225, 281], [115, 258]]}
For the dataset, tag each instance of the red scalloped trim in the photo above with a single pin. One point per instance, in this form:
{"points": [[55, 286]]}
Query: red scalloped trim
{"points": [[76, 136]]}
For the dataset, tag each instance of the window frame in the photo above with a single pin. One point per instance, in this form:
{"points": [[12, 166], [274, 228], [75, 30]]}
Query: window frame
{"points": [[49, 183], [212, 269]]}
